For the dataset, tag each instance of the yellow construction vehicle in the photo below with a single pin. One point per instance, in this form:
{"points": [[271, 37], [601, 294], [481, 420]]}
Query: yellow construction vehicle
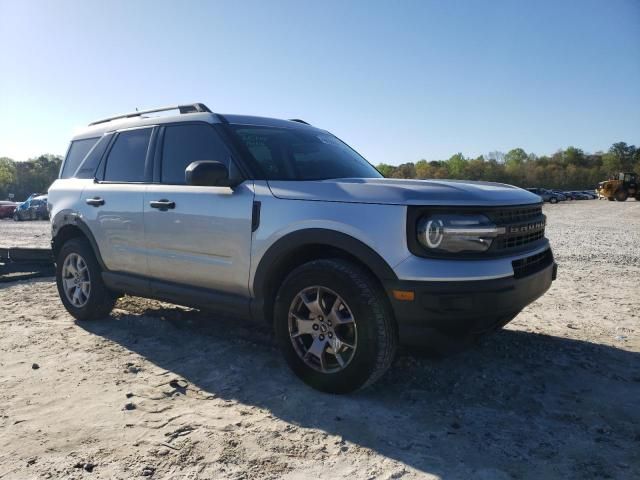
{"points": [[620, 188]]}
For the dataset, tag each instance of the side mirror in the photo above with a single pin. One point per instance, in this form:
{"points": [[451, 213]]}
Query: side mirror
{"points": [[208, 173]]}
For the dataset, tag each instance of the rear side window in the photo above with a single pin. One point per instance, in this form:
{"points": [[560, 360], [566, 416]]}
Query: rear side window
{"points": [[90, 163], [126, 159], [77, 151], [188, 143]]}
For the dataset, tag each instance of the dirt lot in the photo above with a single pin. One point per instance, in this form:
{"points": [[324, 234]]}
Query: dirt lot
{"points": [[165, 392], [33, 234]]}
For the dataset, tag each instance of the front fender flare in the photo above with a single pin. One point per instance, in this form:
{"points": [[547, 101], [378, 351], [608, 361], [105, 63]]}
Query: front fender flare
{"points": [[283, 247]]}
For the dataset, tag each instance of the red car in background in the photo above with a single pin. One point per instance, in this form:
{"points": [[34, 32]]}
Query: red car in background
{"points": [[7, 208]]}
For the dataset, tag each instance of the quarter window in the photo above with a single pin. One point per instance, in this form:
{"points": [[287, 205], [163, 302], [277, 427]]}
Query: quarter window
{"points": [[88, 166], [77, 151], [184, 144], [127, 157]]}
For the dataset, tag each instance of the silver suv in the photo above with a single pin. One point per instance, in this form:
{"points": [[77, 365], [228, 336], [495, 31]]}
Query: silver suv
{"points": [[281, 222]]}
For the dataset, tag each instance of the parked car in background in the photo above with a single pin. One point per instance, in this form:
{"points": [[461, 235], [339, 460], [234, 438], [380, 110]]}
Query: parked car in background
{"points": [[7, 208], [591, 193], [576, 195], [546, 195], [562, 196], [34, 208]]}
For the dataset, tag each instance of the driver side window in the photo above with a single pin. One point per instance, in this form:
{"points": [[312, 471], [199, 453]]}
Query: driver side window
{"points": [[187, 143]]}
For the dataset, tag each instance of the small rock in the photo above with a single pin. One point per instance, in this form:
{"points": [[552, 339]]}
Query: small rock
{"points": [[89, 467], [148, 471], [129, 406], [128, 394], [35, 366]]}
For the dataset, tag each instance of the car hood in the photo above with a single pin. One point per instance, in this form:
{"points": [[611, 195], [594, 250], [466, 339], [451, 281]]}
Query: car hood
{"points": [[392, 191]]}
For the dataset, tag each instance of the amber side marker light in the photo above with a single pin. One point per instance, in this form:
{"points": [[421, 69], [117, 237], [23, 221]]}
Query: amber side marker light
{"points": [[404, 295]]}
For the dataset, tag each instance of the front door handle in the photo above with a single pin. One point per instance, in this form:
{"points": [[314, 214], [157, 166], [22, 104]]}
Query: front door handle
{"points": [[162, 204], [95, 201]]}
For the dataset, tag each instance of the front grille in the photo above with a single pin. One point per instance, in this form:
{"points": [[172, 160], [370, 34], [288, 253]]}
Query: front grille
{"points": [[523, 226], [515, 215], [530, 265], [519, 240]]}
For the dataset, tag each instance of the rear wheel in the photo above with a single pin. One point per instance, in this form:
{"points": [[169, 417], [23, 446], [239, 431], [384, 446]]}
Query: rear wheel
{"points": [[621, 196], [334, 326], [79, 281], [553, 200]]}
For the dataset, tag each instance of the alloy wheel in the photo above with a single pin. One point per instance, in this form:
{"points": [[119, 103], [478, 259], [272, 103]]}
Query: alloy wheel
{"points": [[76, 280], [322, 329]]}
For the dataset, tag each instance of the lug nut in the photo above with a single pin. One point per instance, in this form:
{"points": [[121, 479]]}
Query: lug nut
{"points": [[330, 335], [315, 326], [320, 318], [321, 337]]}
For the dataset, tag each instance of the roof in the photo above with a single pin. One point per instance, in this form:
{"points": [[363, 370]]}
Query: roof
{"points": [[149, 118]]}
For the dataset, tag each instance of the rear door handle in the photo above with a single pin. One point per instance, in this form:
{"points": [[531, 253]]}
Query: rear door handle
{"points": [[162, 204], [95, 201]]}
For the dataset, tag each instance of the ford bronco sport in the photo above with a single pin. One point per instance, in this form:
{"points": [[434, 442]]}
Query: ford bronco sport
{"points": [[282, 222]]}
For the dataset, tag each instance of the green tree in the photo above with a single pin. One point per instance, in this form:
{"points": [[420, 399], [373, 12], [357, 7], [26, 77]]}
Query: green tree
{"points": [[624, 153], [7, 176], [386, 170], [515, 157], [457, 165]]}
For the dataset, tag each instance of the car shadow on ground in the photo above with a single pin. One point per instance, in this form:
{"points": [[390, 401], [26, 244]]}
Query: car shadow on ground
{"points": [[518, 405]]}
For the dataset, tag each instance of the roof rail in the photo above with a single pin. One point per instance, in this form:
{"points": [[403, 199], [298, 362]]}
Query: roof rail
{"points": [[189, 108], [299, 121]]}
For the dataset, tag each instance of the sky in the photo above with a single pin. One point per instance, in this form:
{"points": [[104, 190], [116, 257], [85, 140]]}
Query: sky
{"points": [[397, 80]]}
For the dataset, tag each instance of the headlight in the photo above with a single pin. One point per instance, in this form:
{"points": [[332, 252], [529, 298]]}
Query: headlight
{"points": [[452, 233]]}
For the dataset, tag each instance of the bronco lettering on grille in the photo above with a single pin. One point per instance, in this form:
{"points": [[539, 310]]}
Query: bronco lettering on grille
{"points": [[526, 228]]}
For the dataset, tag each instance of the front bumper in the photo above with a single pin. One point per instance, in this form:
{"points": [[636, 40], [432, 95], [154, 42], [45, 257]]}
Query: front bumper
{"points": [[462, 309]]}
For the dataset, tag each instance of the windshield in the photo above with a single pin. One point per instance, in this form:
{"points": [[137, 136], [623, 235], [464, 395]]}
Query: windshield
{"points": [[302, 154]]}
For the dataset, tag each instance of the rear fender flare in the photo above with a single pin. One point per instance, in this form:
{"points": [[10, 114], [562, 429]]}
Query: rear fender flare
{"points": [[66, 218]]}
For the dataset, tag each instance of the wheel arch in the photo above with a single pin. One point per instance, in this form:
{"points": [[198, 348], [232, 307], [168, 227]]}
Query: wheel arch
{"points": [[68, 225], [297, 248]]}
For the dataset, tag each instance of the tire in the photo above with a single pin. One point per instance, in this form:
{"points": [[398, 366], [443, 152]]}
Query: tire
{"points": [[99, 300], [16, 217], [621, 196], [611, 199], [553, 200], [370, 325]]}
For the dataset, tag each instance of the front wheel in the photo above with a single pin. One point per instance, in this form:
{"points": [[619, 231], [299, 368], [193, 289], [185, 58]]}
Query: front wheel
{"points": [[79, 281], [553, 200], [335, 326], [621, 196]]}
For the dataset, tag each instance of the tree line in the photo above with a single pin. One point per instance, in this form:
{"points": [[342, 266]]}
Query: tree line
{"points": [[569, 169], [565, 170], [24, 178]]}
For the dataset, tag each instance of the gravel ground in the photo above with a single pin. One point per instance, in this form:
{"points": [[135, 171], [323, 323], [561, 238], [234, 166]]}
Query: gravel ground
{"points": [[32, 234], [164, 392]]}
